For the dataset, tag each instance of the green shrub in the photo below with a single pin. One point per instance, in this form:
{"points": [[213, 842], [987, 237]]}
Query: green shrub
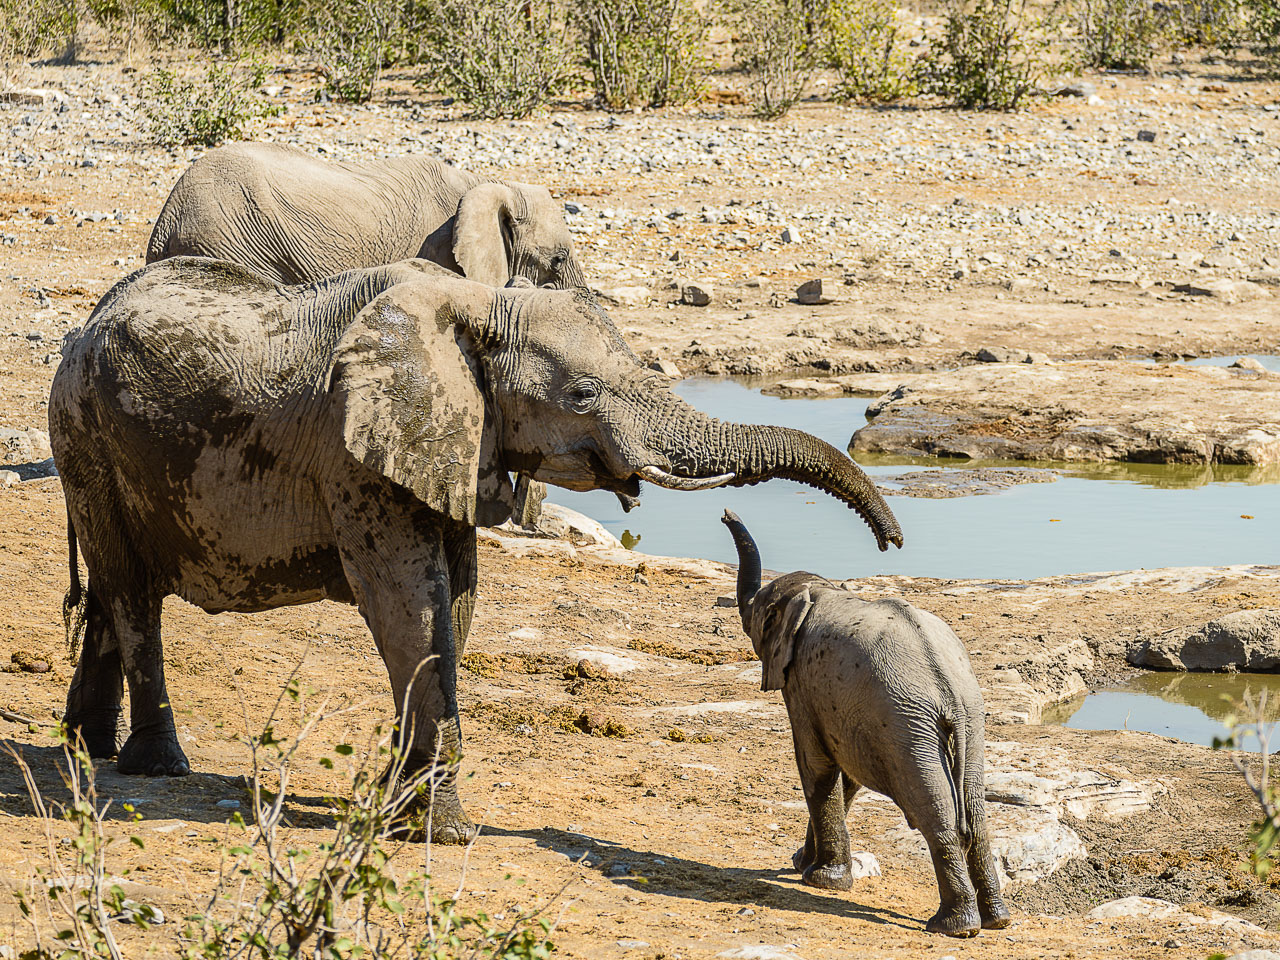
{"points": [[29, 28], [865, 44], [1118, 34], [986, 59], [643, 53], [349, 41], [211, 106], [780, 45], [504, 58], [1203, 23], [1262, 30]]}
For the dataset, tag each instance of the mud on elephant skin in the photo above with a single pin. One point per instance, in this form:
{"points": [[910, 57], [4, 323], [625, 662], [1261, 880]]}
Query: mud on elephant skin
{"points": [[297, 219], [880, 695], [247, 446]]}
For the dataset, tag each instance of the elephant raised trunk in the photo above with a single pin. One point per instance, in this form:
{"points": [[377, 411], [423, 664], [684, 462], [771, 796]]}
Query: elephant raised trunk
{"points": [[748, 561], [704, 452]]}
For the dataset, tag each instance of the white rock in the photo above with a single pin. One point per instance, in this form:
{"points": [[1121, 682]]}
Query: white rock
{"points": [[864, 865], [1029, 844], [8, 479], [625, 296], [760, 951], [611, 663], [525, 633], [566, 524], [1256, 955], [1153, 909], [1248, 363]]}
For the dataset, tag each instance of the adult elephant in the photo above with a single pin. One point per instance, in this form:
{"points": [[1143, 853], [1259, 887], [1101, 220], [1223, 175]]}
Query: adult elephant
{"points": [[247, 446], [296, 219]]}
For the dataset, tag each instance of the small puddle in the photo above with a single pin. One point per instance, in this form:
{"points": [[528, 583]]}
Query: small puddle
{"points": [[1095, 517], [1185, 706]]}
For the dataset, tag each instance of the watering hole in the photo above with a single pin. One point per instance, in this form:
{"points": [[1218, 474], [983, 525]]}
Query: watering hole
{"points": [[1185, 706], [1093, 517]]}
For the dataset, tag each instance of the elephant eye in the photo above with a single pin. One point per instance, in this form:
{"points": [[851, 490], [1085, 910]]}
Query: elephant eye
{"points": [[558, 261], [583, 394]]}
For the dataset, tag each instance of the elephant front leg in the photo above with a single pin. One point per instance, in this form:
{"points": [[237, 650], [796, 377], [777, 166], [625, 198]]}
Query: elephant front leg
{"points": [[826, 849], [152, 748], [807, 855], [396, 562]]}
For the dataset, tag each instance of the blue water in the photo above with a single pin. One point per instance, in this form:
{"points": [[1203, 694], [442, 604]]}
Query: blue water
{"points": [[1185, 706], [1093, 518]]}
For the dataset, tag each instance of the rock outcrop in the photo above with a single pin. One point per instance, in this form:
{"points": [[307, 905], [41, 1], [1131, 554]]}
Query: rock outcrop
{"points": [[1244, 640]]}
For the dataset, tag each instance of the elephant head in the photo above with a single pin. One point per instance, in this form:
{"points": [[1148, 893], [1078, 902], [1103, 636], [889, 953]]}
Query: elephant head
{"points": [[447, 386], [505, 230], [772, 616]]}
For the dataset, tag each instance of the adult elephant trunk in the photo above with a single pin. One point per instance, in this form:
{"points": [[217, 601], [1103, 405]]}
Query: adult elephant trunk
{"points": [[704, 452]]}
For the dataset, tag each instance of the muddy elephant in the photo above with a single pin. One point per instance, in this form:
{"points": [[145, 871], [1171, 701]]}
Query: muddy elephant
{"points": [[247, 446], [879, 694], [296, 219]]}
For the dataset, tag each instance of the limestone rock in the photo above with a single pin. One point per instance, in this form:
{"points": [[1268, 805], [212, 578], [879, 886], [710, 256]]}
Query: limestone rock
{"points": [[760, 951], [807, 387], [864, 865], [607, 663], [566, 524], [813, 292], [40, 97], [1029, 844], [1248, 363], [25, 445], [1152, 909], [1223, 288], [696, 294], [666, 368], [624, 296], [1081, 410], [945, 484], [1245, 640]]}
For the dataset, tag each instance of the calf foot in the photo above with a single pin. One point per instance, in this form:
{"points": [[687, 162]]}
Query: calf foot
{"points": [[831, 876], [153, 755], [801, 859], [957, 921], [995, 915]]}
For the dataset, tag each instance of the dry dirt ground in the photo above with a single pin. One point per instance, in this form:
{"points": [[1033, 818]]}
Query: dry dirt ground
{"points": [[668, 848]]}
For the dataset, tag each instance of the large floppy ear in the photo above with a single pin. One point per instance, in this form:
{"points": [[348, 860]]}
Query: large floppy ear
{"points": [[408, 387], [482, 233], [781, 650]]}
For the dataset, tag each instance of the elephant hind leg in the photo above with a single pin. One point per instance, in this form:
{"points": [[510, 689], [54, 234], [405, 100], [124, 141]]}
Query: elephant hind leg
{"points": [[94, 700], [806, 855], [826, 851], [982, 869]]}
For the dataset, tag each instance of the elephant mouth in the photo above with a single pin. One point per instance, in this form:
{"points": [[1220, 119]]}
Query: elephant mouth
{"points": [[656, 475]]}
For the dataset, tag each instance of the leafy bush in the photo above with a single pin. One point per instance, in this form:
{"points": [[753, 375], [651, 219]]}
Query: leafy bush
{"points": [[865, 44], [29, 28], [504, 58], [211, 106], [1118, 34], [781, 45], [1252, 719], [349, 41], [985, 58], [1203, 22], [1262, 30], [643, 53]]}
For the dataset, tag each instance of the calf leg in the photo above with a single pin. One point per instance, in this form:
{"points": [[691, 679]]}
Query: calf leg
{"points": [[982, 869], [95, 698], [827, 839], [807, 854], [152, 747]]}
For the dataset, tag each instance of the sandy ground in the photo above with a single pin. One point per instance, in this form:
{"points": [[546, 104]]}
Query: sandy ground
{"points": [[681, 849]]}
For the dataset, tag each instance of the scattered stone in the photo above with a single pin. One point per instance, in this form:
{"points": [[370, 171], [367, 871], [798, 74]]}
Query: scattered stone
{"points": [[563, 523], [727, 600], [8, 478], [633, 944], [625, 296], [790, 235], [807, 387], [50, 220], [760, 951], [1147, 136], [528, 634], [1245, 640], [666, 368], [1000, 355], [24, 662], [594, 662], [228, 804], [864, 864], [131, 911], [696, 294], [1081, 89], [34, 97], [619, 870], [24, 446], [1152, 909], [817, 291], [1221, 260]]}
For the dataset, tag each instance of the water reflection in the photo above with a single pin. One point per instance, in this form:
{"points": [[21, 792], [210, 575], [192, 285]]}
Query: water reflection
{"points": [[1186, 706], [1108, 516]]}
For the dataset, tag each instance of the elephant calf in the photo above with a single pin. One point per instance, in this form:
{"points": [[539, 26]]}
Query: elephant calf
{"points": [[880, 695]]}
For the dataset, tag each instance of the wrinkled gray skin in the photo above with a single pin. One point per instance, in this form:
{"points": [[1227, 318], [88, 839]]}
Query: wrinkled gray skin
{"points": [[296, 219], [879, 695], [248, 446]]}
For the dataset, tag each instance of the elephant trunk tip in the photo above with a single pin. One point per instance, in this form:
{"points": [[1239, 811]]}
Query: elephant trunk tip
{"points": [[748, 561]]}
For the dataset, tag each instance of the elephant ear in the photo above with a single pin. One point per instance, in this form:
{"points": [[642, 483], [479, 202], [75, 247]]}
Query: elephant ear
{"points": [[781, 652], [407, 382], [482, 233]]}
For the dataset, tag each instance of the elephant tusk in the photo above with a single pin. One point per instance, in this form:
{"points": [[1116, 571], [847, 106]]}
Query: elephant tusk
{"points": [[672, 482]]}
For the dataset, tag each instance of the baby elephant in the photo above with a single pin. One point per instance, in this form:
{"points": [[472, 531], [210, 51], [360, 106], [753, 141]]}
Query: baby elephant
{"points": [[880, 695]]}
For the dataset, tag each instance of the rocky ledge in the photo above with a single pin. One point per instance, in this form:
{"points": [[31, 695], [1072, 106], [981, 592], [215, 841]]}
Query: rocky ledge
{"points": [[1082, 410]]}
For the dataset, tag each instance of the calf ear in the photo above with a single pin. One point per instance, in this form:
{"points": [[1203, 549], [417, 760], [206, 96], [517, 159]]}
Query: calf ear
{"points": [[782, 650], [407, 384]]}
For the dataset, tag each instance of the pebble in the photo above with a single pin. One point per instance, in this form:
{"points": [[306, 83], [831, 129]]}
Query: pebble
{"points": [[1147, 136], [790, 235], [817, 291]]}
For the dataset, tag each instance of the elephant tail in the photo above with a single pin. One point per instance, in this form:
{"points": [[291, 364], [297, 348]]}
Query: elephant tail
{"points": [[75, 605], [954, 748]]}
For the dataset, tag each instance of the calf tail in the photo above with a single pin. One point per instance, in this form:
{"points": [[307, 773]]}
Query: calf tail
{"points": [[75, 605], [954, 749]]}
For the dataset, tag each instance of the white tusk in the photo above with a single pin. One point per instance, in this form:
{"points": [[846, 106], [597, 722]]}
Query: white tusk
{"points": [[672, 482]]}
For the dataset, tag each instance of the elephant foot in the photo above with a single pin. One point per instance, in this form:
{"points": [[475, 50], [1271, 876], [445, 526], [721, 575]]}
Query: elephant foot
{"points": [[153, 755], [955, 921], [99, 729], [831, 876], [995, 915], [801, 859]]}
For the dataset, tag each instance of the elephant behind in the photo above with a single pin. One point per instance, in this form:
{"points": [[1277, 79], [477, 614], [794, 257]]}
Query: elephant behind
{"points": [[296, 219], [879, 695], [247, 446]]}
